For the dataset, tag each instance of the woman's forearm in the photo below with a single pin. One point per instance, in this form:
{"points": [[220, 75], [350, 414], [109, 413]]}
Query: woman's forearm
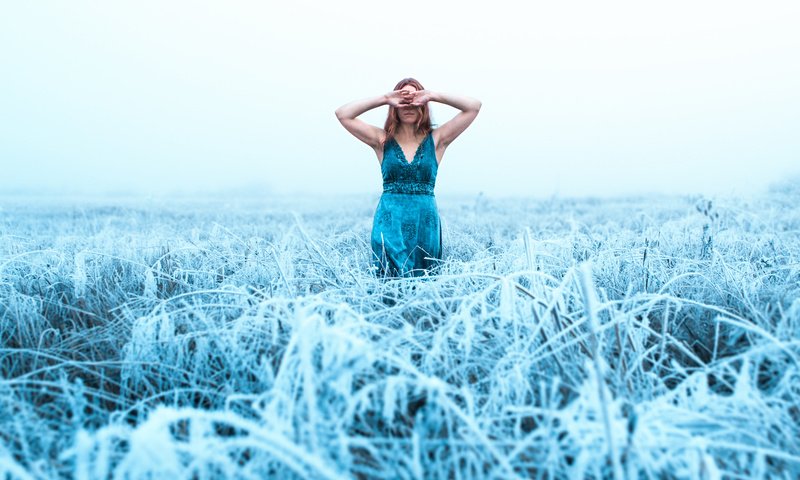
{"points": [[357, 107], [457, 101]]}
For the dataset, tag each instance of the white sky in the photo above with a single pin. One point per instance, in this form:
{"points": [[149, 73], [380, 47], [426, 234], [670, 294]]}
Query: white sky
{"points": [[579, 98]]}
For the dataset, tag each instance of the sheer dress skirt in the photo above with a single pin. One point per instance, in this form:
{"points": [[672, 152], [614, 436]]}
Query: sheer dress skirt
{"points": [[406, 235]]}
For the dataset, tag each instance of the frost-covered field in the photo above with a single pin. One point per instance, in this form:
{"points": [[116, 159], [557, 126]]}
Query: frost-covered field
{"points": [[636, 338]]}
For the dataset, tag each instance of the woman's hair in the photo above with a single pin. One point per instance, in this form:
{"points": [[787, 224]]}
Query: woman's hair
{"points": [[393, 119]]}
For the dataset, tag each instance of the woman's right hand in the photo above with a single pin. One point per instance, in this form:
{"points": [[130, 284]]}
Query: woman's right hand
{"points": [[398, 98]]}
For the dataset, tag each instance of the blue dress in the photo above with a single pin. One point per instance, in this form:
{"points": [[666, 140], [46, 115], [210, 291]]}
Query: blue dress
{"points": [[406, 231]]}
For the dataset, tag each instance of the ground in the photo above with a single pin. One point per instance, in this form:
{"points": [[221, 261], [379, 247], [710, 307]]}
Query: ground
{"points": [[245, 338]]}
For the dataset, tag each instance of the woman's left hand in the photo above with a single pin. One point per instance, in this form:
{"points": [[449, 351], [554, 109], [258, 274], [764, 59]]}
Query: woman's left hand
{"points": [[421, 97]]}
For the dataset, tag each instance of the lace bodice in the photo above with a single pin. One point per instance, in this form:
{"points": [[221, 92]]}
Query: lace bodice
{"points": [[415, 177]]}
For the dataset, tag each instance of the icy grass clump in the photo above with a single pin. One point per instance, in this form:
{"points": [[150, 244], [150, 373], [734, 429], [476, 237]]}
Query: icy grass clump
{"points": [[188, 443], [561, 338]]}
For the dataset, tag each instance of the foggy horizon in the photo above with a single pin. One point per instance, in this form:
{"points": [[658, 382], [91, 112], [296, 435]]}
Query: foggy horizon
{"points": [[603, 100]]}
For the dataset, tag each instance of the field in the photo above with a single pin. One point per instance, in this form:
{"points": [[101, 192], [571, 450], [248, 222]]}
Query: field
{"points": [[647, 337]]}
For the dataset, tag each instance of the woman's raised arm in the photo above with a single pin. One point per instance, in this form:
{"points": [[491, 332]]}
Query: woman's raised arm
{"points": [[454, 127], [369, 134]]}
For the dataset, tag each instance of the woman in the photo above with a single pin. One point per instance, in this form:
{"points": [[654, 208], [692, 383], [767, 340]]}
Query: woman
{"points": [[406, 231]]}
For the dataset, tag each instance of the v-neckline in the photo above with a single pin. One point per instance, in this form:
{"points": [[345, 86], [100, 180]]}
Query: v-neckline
{"points": [[416, 152]]}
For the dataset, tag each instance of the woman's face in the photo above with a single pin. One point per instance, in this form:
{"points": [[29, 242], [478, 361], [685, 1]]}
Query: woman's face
{"points": [[409, 114]]}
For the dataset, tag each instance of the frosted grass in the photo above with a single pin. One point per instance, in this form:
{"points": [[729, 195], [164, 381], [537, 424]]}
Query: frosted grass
{"points": [[640, 337]]}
